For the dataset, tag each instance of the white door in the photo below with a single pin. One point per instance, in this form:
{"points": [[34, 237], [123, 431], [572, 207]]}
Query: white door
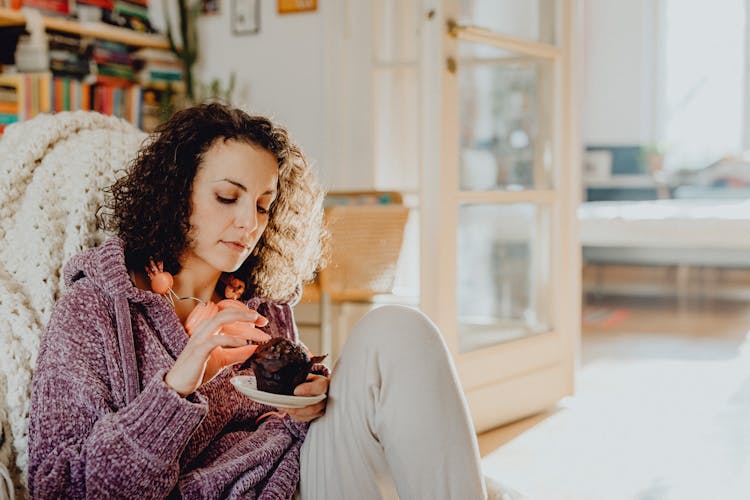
{"points": [[499, 185]]}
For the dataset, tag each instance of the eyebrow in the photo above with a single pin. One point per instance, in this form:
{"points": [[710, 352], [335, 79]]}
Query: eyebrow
{"points": [[242, 187]]}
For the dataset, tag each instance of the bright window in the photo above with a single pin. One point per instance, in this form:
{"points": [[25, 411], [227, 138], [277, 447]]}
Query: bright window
{"points": [[701, 108]]}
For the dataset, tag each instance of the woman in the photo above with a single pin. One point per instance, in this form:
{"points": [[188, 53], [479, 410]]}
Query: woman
{"points": [[126, 404]]}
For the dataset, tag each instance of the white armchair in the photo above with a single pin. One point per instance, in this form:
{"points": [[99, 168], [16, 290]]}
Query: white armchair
{"points": [[54, 169]]}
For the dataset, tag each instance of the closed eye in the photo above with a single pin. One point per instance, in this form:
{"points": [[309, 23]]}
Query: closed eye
{"points": [[226, 201]]}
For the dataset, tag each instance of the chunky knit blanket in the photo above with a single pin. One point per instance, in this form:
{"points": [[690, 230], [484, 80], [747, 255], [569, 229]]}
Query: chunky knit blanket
{"points": [[53, 170]]}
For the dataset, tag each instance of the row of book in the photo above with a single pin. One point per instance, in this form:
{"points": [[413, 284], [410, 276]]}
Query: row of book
{"points": [[130, 14], [89, 59], [24, 95], [139, 85]]}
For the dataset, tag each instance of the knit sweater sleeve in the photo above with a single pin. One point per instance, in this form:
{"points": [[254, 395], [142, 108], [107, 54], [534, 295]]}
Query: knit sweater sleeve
{"points": [[81, 444]]}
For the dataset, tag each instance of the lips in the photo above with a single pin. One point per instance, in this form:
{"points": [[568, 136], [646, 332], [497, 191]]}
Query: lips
{"points": [[236, 246]]}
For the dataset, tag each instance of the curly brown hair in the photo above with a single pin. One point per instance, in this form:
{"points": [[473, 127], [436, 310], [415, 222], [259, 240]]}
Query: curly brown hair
{"points": [[149, 207]]}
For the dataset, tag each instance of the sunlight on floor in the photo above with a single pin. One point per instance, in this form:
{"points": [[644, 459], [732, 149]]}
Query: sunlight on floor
{"points": [[655, 416]]}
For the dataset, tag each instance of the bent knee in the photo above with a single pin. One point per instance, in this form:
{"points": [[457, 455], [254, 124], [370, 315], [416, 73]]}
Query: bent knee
{"points": [[396, 325]]}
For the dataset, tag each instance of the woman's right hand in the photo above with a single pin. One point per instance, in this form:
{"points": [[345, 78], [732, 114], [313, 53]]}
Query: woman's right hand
{"points": [[190, 369]]}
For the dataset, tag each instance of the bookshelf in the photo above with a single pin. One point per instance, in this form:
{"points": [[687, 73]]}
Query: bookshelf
{"points": [[10, 17], [95, 66]]}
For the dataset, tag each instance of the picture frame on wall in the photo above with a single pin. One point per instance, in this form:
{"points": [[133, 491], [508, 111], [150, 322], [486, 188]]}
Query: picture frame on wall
{"points": [[245, 17], [296, 6], [210, 7]]}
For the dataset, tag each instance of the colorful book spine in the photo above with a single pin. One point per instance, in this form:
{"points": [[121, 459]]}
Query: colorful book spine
{"points": [[9, 108], [24, 95], [103, 4], [51, 6], [8, 118]]}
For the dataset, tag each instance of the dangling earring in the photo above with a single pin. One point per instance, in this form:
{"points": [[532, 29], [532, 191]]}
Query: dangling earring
{"points": [[162, 282]]}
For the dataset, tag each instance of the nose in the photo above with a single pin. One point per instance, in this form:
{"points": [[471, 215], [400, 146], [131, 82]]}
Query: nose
{"points": [[246, 219]]}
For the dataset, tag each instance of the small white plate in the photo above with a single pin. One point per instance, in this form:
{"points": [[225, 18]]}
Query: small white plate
{"points": [[246, 385]]}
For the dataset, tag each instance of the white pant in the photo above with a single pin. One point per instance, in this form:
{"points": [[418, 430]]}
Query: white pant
{"points": [[396, 422]]}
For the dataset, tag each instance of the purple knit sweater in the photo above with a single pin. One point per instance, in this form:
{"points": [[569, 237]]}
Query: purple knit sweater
{"points": [[105, 425]]}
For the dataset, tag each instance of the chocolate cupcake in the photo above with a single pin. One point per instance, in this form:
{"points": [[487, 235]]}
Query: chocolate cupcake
{"points": [[280, 365]]}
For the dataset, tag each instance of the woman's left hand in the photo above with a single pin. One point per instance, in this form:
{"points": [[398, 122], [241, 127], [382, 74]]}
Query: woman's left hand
{"points": [[315, 385]]}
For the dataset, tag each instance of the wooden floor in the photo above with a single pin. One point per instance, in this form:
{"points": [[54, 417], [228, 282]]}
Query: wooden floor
{"points": [[661, 411]]}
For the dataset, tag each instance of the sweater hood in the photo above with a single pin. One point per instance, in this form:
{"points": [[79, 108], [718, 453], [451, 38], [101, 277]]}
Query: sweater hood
{"points": [[105, 267]]}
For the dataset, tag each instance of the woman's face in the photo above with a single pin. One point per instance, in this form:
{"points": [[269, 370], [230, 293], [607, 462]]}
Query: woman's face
{"points": [[233, 190]]}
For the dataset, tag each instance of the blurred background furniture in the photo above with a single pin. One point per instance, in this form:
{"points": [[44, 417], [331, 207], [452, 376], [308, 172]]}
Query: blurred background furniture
{"points": [[366, 234], [685, 234], [700, 235]]}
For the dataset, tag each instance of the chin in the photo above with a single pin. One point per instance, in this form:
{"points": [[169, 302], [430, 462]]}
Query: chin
{"points": [[225, 267], [230, 263], [231, 267]]}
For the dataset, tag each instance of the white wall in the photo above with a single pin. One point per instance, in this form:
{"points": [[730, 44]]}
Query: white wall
{"points": [[348, 94], [620, 62], [280, 70]]}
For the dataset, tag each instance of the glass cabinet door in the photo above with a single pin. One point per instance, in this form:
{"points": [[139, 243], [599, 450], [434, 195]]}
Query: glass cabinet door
{"points": [[505, 104], [502, 269], [499, 192], [532, 20]]}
